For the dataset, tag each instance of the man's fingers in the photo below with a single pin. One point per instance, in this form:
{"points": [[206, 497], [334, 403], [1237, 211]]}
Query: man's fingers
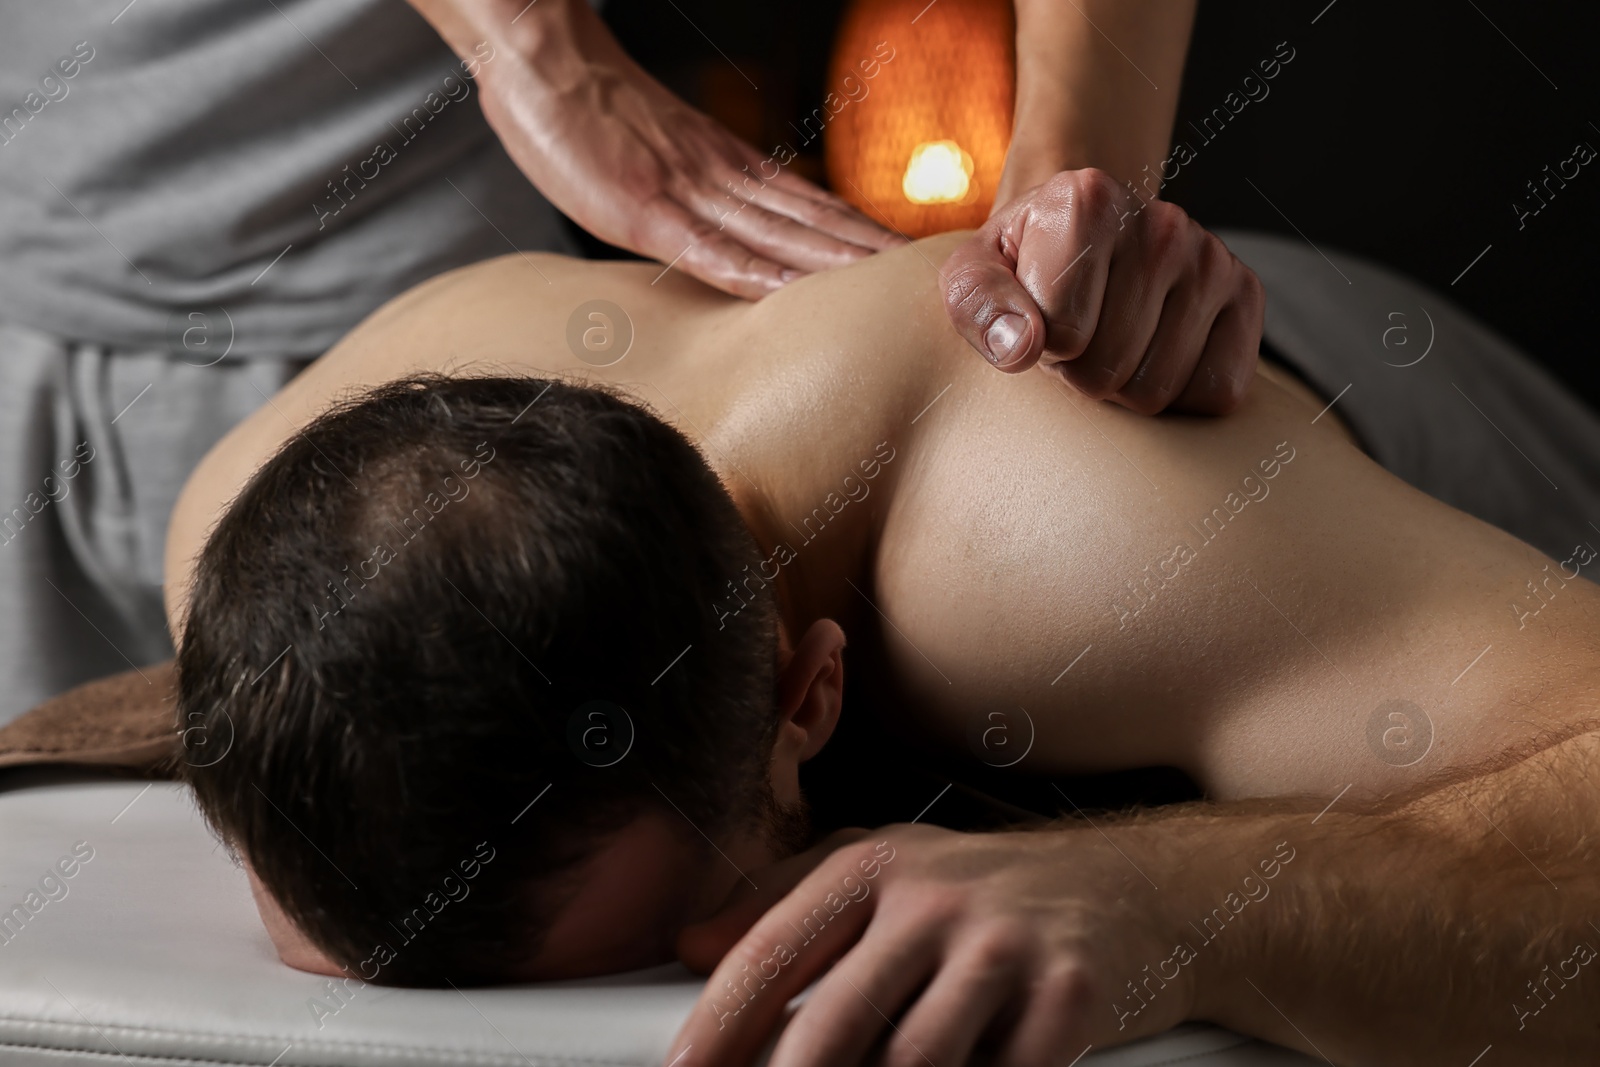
{"points": [[1227, 367], [1073, 300], [1174, 352], [766, 229], [1053, 1023], [1135, 294], [745, 996], [784, 951], [805, 202], [970, 990], [681, 240], [853, 1005], [1120, 297], [702, 946], [988, 305], [753, 247], [1064, 257]]}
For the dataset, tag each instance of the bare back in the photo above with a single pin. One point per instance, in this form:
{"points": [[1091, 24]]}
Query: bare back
{"points": [[1249, 599]]}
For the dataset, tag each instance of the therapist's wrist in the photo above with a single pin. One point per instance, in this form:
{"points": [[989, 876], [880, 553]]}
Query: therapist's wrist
{"points": [[1038, 152]]}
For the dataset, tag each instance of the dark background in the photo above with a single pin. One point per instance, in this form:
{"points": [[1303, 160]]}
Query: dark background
{"points": [[1401, 131]]}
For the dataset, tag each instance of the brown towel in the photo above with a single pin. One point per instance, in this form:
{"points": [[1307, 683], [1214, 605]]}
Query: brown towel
{"points": [[123, 721]]}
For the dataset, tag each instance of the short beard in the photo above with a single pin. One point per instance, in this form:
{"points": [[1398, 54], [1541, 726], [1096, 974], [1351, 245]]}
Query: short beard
{"points": [[787, 827]]}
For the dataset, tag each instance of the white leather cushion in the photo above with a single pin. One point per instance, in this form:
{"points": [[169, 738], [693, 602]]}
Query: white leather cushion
{"points": [[151, 949]]}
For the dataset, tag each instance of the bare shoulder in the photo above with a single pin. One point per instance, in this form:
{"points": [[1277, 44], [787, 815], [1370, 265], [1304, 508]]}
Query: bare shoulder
{"points": [[526, 295], [513, 315]]}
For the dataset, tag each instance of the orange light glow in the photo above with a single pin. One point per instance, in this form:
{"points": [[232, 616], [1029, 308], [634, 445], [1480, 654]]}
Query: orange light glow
{"points": [[921, 145], [939, 172]]}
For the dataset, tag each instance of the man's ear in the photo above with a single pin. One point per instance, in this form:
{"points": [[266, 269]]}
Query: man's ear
{"points": [[810, 693], [294, 948]]}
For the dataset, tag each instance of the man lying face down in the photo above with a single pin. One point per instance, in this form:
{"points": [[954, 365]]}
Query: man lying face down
{"points": [[506, 716], [528, 693], [521, 664]]}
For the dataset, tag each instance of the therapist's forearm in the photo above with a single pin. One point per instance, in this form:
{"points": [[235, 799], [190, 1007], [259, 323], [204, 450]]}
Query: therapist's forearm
{"points": [[1467, 918], [463, 23], [1097, 86], [536, 39]]}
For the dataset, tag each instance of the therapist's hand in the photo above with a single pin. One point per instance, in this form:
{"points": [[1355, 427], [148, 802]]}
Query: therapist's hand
{"points": [[1023, 940], [1127, 300], [637, 167]]}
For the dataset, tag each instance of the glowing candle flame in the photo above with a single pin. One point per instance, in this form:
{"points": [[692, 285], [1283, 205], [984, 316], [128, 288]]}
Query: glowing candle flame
{"points": [[939, 172]]}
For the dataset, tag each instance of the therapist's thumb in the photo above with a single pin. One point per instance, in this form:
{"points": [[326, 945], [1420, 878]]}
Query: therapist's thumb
{"points": [[988, 305]]}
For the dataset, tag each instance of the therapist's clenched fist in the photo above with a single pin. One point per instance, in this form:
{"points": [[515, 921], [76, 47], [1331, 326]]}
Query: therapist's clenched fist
{"points": [[926, 943], [1126, 299]]}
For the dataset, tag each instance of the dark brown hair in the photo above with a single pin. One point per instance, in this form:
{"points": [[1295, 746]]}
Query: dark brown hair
{"points": [[439, 603]]}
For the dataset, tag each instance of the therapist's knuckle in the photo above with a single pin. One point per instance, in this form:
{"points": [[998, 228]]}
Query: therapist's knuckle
{"points": [[751, 265], [1235, 384], [1212, 257], [1225, 382], [800, 211], [1064, 183], [1252, 295], [1067, 334], [1094, 185], [1164, 234], [1143, 396], [969, 288], [1096, 198], [1096, 379]]}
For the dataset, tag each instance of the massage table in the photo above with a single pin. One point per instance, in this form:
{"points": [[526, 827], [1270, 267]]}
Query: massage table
{"points": [[151, 953]]}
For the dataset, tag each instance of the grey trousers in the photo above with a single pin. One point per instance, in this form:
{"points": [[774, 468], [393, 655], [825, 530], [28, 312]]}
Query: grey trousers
{"points": [[95, 445]]}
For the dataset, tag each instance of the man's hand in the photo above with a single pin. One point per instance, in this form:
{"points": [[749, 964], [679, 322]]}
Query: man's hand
{"points": [[636, 166], [1021, 940], [1127, 299]]}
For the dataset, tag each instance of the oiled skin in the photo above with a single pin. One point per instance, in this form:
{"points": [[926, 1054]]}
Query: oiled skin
{"points": [[1010, 528]]}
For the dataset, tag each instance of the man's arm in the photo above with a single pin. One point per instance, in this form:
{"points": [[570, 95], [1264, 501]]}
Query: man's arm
{"points": [[631, 162], [1097, 86], [1421, 934], [1465, 919]]}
